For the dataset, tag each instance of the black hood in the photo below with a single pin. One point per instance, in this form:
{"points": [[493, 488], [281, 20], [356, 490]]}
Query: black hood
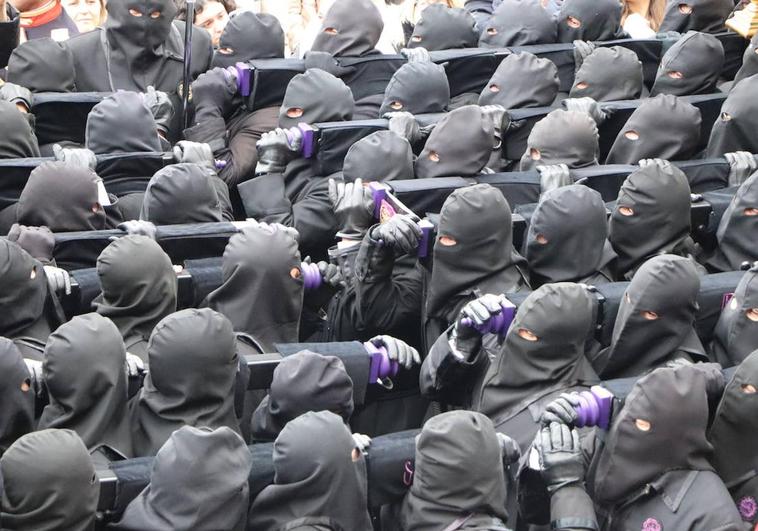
{"points": [[691, 66], [735, 128], [738, 228], [417, 88], [249, 36], [522, 80], [589, 20], [567, 239], [382, 156], [350, 28], [121, 123], [16, 395], [460, 145], [518, 23], [696, 15], [181, 193], [749, 61], [668, 286], [321, 96], [660, 220], [562, 137], [609, 74], [23, 289], [17, 140], [663, 127], [444, 28], [42, 65], [736, 333]]}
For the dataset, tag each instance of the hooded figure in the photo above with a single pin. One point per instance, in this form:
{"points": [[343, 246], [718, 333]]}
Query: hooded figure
{"points": [[181, 193], [734, 426], [121, 123], [50, 483], [16, 396], [749, 61], [318, 474], [249, 35], [17, 140], [42, 65], [351, 28], [417, 88], [567, 240], [262, 289], [655, 322], [381, 156], [518, 23], [25, 311], [589, 20], [737, 229], [459, 146], [736, 333], [562, 137], [652, 472], [303, 382], [473, 252], [707, 16], [139, 289], [609, 74], [193, 365], [64, 198], [85, 374], [522, 80], [735, 128], [199, 480], [315, 96], [458, 471], [691, 66], [444, 28], [652, 216], [663, 127]]}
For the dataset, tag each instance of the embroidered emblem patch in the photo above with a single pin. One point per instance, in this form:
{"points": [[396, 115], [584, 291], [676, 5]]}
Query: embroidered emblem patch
{"points": [[651, 524], [747, 507]]}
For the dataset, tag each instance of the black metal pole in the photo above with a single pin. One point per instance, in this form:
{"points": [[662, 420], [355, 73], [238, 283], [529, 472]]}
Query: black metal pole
{"points": [[190, 20]]}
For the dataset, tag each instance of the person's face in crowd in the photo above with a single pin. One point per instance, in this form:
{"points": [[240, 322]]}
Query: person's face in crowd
{"points": [[213, 18], [423, 4], [87, 14]]}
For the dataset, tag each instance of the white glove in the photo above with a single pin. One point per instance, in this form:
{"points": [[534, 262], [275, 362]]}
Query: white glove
{"points": [[134, 365], [58, 280], [362, 442]]}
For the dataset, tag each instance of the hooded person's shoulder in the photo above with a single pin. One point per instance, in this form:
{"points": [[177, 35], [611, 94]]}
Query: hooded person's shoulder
{"points": [[84, 41]]}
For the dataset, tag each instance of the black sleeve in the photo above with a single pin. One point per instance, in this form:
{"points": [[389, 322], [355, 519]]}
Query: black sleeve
{"points": [[9, 32], [571, 509]]}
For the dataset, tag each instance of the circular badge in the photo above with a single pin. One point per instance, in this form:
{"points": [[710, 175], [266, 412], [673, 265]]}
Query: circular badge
{"points": [[747, 507], [651, 524]]}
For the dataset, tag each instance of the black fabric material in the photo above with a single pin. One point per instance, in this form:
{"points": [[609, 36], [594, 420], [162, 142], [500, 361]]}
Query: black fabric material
{"points": [[749, 61], [121, 123], [598, 20], [609, 74], [42, 65], [444, 28], [17, 138], [691, 66], [522, 80], [23, 290], [182, 193], [736, 333], [16, 395], [704, 15], [417, 88], [737, 229], [734, 129], [321, 96], [382, 156], [351, 28], [562, 137], [247, 36], [518, 23]]}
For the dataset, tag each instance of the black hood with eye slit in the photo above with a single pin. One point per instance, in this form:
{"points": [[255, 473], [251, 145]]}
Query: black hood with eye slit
{"points": [[735, 128], [737, 230], [350, 28], [600, 20], [518, 23], [699, 58], [417, 88], [321, 96], [736, 335], [17, 403], [706, 15], [444, 28], [562, 137], [23, 289], [522, 80], [121, 123], [249, 36], [609, 74], [181, 193]]}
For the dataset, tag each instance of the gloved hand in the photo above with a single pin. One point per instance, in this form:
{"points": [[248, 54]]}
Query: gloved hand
{"points": [[39, 242], [213, 92], [404, 125], [17, 94], [331, 275], [581, 50], [398, 350], [353, 205], [561, 410], [326, 62], [554, 176], [138, 227], [194, 152], [560, 456], [741, 165], [649, 162], [589, 106], [36, 376], [417, 55], [275, 151], [134, 365], [83, 158], [160, 106], [401, 232], [510, 449], [467, 340], [496, 114], [273, 227], [58, 280], [362, 442]]}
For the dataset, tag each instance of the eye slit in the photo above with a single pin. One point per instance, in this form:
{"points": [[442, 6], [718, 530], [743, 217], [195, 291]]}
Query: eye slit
{"points": [[675, 74], [447, 241], [725, 117], [434, 156], [627, 298], [535, 154], [527, 334], [295, 112], [582, 85], [752, 314], [226, 50], [642, 425], [751, 211], [331, 31], [155, 14], [491, 31], [685, 9], [33, 274], [26, 385], [135, 13], [295, 273], [416, 38], [626, 211], [541, 239], [494, 88], [632, 135], [573, 22], [396, 105], [749, 389], [649, 316]]}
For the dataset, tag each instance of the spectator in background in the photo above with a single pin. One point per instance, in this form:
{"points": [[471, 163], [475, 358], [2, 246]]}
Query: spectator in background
{"points": [[44, 18], [642, 18], [87, 14], [211, 15]]}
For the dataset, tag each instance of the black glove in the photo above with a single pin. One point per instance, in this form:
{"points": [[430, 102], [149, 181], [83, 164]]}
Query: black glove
{"points": [[354, 207], [649, 162], [466, 339], [404, 125], [80, 157], [331, 275], [589, 106], [561, 410], [139, 228], [160, 106], [581, 50], [326, 62], [510, 449], [742, 164], [275, 151], [194, 152], [39, 242], [213, 92], [401, 232], [417, 55], [13, 93], [560, 456], [58, 280], [554, 176], [496, 114], [398, 350]]}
